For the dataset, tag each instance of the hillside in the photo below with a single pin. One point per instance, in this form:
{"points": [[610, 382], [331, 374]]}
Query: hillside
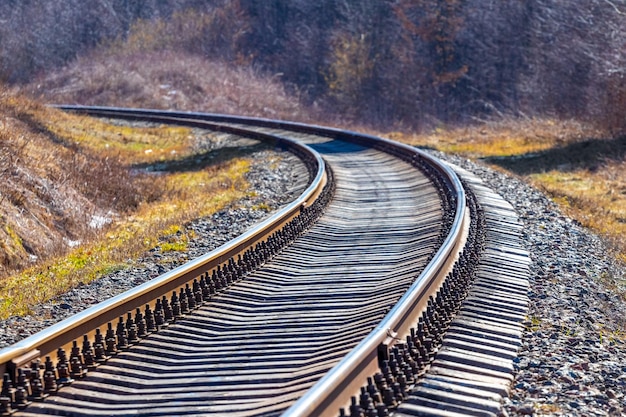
{"points": [[410, 64], [54, 193], [167, 80]]}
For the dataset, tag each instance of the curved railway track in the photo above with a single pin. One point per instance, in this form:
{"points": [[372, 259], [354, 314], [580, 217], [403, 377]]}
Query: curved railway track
{"points": [[340, 300]]}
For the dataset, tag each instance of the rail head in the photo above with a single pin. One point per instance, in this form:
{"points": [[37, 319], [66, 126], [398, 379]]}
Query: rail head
{"points": [[64, 332], [322, 398], [328, 395]]}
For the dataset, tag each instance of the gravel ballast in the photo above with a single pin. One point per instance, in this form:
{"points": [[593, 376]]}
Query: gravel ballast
{"points": [[573, 358], [276, 177]]}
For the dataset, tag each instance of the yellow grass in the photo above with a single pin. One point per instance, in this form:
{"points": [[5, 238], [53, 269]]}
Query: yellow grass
{"points": [[132, 144], [198, 194], [583, 174], [503, 138], [183, 194], [596, 199]]}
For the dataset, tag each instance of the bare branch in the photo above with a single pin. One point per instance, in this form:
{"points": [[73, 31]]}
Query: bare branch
{"points": [[615, 7]]}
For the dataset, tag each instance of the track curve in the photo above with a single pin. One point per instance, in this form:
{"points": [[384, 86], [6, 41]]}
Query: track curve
{"points": [[259, 345], [328, 309]]}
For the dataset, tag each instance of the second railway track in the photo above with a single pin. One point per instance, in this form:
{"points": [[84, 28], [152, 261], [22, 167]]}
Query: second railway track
{"points": [[260, 345]]}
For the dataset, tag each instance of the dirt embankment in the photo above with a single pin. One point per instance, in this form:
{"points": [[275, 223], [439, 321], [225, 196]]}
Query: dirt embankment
{"points": [[53, 193]]}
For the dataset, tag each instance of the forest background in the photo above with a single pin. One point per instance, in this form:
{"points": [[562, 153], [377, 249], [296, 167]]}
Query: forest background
{"points": [[403, 63]]}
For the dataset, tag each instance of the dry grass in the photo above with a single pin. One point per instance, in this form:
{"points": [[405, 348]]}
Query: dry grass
{"points": [[129, 144], [504, 138], [197, 194], [172, 80], [40, 202], [65, 173], [585, 176]]}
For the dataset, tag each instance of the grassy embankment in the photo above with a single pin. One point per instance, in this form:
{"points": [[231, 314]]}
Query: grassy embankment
{"points": [[581, 172], [116, 74], [158, 203], [583, 175]]}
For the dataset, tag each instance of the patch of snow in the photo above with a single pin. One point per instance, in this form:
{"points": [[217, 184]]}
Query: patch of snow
{"points": [[97, 222], [72, 243]]}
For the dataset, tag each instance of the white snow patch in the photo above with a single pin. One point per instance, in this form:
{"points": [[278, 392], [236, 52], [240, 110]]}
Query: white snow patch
{"points": [[98, 222], [72, 243]]}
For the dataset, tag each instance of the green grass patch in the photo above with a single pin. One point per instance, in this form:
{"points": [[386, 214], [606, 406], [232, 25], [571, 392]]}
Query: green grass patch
{"points": [[262, 206]]}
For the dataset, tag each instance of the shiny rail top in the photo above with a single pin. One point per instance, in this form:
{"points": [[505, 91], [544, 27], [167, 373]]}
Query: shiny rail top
{"points": [[324, 396], [81, 323]]}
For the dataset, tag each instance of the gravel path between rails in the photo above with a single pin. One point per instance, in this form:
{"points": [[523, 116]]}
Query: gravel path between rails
{"points": [[276, 177], [573, 357]]}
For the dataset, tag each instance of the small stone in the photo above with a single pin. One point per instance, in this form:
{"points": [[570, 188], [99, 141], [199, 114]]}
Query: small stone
{"points": [[526, 409]]}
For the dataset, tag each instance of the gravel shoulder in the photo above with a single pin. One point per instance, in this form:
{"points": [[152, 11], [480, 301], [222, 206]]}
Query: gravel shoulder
{"points": [[573, 358], [276, 177]]}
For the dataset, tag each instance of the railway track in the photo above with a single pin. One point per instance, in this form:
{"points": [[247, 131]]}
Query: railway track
{"points": [[340, 301]]}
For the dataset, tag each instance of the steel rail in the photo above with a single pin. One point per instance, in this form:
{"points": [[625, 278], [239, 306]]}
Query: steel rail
{"points": [[64, 332], [386, 145], [329, 394]]}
